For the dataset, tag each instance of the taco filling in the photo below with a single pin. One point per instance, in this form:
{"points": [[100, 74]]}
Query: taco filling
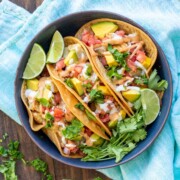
{"points": [[121, 55], [77, 73], [47, 108]]}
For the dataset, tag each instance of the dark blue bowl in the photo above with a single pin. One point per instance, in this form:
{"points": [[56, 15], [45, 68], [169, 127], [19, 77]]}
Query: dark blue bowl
{"points": [[69, 25]]}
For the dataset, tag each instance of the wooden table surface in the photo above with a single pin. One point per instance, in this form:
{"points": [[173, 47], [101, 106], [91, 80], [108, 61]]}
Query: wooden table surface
{"points": [[16, 132]]}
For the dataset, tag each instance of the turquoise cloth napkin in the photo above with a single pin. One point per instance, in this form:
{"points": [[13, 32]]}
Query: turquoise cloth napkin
{"points": [[161, 18]]}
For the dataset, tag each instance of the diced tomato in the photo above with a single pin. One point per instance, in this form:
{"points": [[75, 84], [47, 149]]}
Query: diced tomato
{"points": [[132, 49], [60, 64], [58, 113], [44, 109], [57, 119], [105, 118], [74, 150], [89, 39], [88, 131], [131, 65], [141, 57], [103, 60], [57, 98], [111, 98], [120, 33], [78, 69], [133, 58]]}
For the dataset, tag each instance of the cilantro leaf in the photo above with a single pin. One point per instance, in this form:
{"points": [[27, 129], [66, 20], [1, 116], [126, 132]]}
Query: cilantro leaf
{"points": [[155, 83], [88, 87], [49, 120], [112, 72], [96, 96], [44, 102], [8, 170], [97, 178], [72, 131], [79, 106], [69, 83], [39, 165], [119, 57], [139, 134], [141, 80]]}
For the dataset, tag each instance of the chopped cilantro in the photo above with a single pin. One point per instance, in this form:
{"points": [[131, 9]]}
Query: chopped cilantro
{"points": [[112, 72], [141, 80], [5, 135], [97, 178], [96, 96], [44, 102], [155, 83], [119, 57], [49, 120], [79, 106], [88, 87], [73, 130], [69, 83]]}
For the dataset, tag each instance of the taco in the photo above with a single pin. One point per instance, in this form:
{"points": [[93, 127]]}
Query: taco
{"points": [[122, 54], [51, 109], [80, 77]]}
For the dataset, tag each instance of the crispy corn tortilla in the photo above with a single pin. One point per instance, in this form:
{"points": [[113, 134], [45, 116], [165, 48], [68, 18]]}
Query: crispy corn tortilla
{"points": [[53, 133], [71, 40], [149, 47]]}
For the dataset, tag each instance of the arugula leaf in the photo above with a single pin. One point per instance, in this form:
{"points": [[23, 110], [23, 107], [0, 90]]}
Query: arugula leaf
{"points": [[89, 115], [79, 106], [49, 120], [119, 57], [72, 131], [8, 170], [88, 87], [44, 102], [96, 96], [155, 83], [89, 70], [69, 83], [141, 80], [112, 72]]}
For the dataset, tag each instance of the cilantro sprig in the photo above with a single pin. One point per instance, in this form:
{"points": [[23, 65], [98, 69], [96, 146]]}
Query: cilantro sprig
{"points": [[141, 80], [112, 72], [96, 96], [79, 106], [128, 132], [119, 57], [155, 83]]}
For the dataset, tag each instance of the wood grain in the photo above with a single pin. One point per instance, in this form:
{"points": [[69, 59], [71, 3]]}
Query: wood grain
{"points": [[16, 132]]}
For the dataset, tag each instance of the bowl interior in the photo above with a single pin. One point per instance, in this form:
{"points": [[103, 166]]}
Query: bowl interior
{"points": [[69, 25]]}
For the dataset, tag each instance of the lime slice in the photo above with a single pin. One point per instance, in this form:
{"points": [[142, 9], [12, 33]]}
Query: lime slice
{"points": [[150, 104], [56, 48], [36, 62]]}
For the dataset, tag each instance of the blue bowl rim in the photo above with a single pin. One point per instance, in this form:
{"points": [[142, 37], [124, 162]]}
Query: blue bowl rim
{"points": [[130, 22]]}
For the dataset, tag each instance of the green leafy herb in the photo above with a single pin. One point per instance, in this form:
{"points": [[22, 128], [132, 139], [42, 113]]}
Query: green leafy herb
{"points": [[96, 96], [49, 120], [89, 70], [119, 57], [112, 72], [8, 170], [11, 154], [69, 83], [141, 80], [72, 131], [89, 115], [88, 87], [44, 102], [79, 106], [97, 178], [137, 104], [128, 132], [155, 83], [5, 135]]}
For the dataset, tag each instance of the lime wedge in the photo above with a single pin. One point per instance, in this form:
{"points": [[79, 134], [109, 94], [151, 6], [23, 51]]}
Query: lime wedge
{"points": [[150, 104], [56, 48], [36, 62]]}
